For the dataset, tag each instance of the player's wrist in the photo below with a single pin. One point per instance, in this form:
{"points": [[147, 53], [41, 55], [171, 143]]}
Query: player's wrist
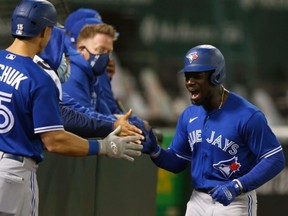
{"points": [[93, 147], [156, 152], [237, 186]]}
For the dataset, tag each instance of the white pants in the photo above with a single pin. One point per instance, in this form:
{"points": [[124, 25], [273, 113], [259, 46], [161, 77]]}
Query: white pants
{"points": [[202, 204], [18, 187]]}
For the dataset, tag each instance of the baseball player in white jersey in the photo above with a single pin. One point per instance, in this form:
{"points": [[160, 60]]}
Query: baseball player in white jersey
{"points": [[227, 140], [30, 117]]}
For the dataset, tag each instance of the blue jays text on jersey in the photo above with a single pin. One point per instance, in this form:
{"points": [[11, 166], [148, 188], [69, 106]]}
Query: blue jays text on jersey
{"points": [[225, 143], [217, 140]]}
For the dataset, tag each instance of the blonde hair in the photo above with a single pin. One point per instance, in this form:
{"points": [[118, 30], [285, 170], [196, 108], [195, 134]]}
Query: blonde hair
{"points": [[89, 31]]}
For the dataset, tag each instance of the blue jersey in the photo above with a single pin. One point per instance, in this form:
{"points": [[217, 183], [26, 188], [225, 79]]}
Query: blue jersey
{"points": [[29, 105], [227, 149]]}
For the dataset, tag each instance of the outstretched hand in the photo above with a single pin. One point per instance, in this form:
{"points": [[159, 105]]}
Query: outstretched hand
{"points": [[127, 129], [150, 143], [120, 147]]}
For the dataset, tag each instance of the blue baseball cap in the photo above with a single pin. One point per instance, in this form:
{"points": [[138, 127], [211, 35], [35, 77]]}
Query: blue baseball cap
{"points": [[78, 26], [68, 50], [80, 14]]}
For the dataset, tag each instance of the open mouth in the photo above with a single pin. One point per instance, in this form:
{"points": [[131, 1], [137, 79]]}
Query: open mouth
{"points": [[195, 94]]}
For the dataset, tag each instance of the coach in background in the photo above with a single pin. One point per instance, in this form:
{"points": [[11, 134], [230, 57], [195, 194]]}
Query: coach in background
{"points": [[75, 117], [227, 140], [30, 116]]}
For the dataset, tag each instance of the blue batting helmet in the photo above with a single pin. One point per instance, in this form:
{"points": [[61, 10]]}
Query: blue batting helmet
{"points": [[206, 58], [31, 17]]}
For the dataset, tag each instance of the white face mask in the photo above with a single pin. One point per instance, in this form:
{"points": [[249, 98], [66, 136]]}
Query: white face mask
{"points": [[63, 70]]}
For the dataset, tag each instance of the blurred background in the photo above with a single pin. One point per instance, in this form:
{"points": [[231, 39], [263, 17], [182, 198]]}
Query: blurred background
{"points": [[154, 37]]}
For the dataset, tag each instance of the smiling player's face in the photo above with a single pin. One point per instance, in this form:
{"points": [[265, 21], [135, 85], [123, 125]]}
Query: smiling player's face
{"points": [[199, 87]]}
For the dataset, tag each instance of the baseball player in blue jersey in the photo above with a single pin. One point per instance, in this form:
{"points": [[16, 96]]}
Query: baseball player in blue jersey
{"points": [[227, 140], [30, 117]]}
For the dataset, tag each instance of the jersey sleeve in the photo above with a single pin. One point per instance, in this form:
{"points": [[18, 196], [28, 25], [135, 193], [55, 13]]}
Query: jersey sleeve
{"points": [[180, 144], [45, 106], [260, 138]]}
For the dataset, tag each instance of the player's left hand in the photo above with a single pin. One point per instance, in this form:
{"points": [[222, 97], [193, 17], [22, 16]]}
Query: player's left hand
{"points": [[226, 193], [150, 143]]}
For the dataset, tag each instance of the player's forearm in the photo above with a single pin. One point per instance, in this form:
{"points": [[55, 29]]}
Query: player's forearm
{"points": [[65, 143], [265, 170], [84, 126], [169, 161]]}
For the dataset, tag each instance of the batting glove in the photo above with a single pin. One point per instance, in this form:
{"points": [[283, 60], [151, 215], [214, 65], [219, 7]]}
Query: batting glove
{"points": [[226, 193], [120, 147], [150, 144]]}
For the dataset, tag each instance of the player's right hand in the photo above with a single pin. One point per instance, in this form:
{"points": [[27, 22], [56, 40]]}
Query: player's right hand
{"points": [[226, 193], [120, 147], [127, 129]]}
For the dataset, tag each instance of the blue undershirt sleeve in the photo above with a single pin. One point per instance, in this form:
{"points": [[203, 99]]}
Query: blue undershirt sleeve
{"points": [[265, 170], [168, 160], [83, 125]]}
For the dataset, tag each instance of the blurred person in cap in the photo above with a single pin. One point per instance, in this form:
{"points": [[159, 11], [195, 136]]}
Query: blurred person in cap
{"points": [[79, 120], [103, 86]]}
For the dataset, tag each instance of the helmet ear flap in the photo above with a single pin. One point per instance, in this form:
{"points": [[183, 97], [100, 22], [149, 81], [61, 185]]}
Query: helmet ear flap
{"points": [[219, 75]]}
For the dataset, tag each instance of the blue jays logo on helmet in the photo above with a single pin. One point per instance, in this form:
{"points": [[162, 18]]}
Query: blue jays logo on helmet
{"points": [[228, 167], [192, 56], [204, 58], [31, 17]]}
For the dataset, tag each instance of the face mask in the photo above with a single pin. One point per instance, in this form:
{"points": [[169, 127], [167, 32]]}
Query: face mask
{"points": [[98, 62], [63, 70]]}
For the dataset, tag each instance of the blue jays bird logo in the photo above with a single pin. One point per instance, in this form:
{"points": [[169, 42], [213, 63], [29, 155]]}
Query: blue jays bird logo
{"points": [[192, 56], [228, 167]]}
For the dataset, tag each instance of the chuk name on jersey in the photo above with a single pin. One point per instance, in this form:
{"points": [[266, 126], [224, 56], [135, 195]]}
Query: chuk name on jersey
{"points": [[11, 76]]}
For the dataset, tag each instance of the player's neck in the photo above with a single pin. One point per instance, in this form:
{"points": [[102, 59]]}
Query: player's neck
{"points": [[27, 48], [217, 99]]}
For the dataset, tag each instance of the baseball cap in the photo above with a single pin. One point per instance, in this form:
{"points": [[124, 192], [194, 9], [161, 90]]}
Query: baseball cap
{"points": [[78, 26], [80, 14], [68, 50]]}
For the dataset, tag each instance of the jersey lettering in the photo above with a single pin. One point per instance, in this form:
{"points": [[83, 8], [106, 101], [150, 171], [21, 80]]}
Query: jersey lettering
{"points": [[6, 116], [11, 76], [223, 143]]}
